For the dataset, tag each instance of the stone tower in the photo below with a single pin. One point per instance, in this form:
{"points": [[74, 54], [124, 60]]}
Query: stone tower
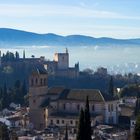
{"points": [[62, 60], [37, 92]]}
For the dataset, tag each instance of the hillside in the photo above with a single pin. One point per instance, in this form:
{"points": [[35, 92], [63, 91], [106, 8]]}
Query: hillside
{"points": [[12, 37]]}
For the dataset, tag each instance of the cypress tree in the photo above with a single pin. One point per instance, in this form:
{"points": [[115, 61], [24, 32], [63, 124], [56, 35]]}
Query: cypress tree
{"points": [[17, 55], [111, 86], [5, 96], [88, 131], [4, 133], [24, 88], [81, 126], [13, 136], [66, 134], [137, 129], [137, 107]]}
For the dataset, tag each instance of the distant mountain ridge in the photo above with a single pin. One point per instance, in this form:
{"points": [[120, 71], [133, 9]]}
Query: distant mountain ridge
{"points": [[13, 37]]}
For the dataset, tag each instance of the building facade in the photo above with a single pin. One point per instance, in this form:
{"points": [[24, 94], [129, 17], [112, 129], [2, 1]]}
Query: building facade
{"points": [[58, 106], [59, 67]]}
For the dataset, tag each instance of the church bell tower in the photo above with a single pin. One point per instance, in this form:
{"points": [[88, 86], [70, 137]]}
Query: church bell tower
{"points": [[37, 91]]}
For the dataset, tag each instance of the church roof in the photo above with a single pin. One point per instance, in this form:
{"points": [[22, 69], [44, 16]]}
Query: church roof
{"points": [[81, 94], [56, 90]]}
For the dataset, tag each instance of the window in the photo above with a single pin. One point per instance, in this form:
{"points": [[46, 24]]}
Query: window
{"points": [[111, 107], [78, 107], [75, 131], [64, 106], [93, 107], [57, 121], [36, 80], [51, 122], [71, 122], [62, 121]]}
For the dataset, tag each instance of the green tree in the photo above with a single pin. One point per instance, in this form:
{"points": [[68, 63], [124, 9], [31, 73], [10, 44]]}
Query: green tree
{"points": [[4, 133], [88, 131], [137, 129], [81, 126]]}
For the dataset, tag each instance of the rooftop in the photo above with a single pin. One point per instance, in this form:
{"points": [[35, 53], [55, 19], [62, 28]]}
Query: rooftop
{"points": [[56, 90], [81, 94]]}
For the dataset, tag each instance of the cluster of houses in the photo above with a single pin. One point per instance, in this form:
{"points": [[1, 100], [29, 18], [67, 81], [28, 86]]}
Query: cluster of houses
{"points": [[52, 109]]}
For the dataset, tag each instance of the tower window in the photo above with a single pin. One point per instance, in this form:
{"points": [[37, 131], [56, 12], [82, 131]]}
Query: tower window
{"points": [[36, 80]]}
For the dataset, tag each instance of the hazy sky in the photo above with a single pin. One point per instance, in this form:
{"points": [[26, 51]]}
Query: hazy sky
{"points": [[110, 18]]}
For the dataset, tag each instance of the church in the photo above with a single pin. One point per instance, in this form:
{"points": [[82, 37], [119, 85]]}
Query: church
{"points": [[59, 106]]}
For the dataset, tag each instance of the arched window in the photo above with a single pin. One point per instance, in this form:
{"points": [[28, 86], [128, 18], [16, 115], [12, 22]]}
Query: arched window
{"points": [[36, 80]]}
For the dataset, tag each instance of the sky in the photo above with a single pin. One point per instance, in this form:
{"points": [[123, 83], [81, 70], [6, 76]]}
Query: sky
{"points": [[97, 18]]}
